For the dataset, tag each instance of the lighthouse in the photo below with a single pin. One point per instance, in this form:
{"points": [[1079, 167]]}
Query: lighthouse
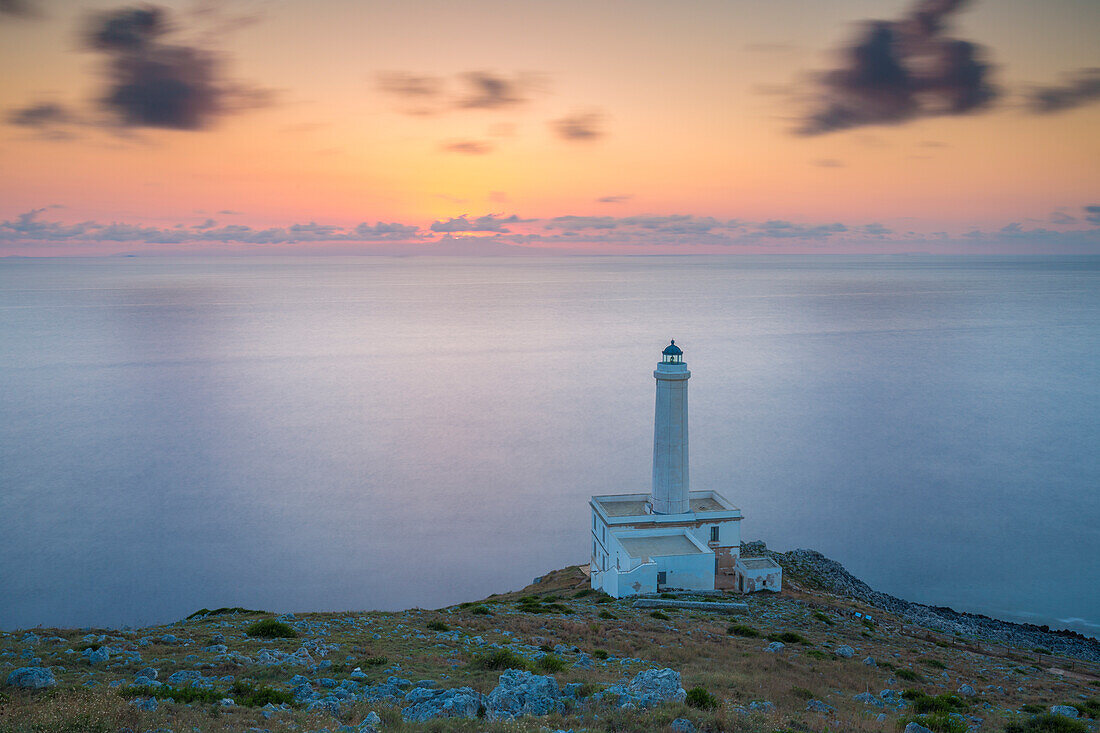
{"points": [[671, 537], [670, 434]]}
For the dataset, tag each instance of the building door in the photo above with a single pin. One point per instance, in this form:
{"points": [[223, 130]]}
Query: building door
{"points": [[662, 578]]}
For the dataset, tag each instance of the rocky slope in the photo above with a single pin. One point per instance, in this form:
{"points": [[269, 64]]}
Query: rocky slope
{"points": [[554, 656], [812, 569]]}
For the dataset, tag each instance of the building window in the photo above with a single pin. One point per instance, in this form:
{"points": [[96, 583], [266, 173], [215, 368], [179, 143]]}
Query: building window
{"points": [[594, 548], [714, 534], [662, 578]]}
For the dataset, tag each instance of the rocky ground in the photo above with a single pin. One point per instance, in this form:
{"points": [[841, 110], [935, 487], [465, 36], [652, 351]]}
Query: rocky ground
{"points": [[828, 654]]}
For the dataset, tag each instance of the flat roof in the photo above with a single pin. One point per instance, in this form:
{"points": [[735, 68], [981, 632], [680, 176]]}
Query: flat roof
{"points": [[705, 504], [634, 505], [659, 545], [628, 508], [759, 563]]}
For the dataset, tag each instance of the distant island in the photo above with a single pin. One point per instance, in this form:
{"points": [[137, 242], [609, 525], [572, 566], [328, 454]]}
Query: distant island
{"points": [[828, 653]]}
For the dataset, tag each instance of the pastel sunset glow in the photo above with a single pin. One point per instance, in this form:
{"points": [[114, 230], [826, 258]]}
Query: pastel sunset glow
{"points": [[616, 126]]}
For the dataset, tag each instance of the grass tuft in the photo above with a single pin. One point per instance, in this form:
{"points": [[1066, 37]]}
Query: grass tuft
{"points": [[698, 697], [743, 630], [500, 659], [269, 628]]}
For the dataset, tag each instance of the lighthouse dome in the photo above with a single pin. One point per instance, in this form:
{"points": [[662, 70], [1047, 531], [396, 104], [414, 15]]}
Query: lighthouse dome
{"points": [[673, 350]]}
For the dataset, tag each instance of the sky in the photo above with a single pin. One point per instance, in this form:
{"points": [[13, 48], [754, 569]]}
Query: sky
{"points": [[549, 126]]}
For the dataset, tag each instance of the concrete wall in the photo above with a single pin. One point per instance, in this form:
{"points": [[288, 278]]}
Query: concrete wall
{"points": [[694, 572]]}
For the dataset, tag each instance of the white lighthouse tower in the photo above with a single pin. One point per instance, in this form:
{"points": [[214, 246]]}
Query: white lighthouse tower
{"points": [[672, 537], [670, 434]]}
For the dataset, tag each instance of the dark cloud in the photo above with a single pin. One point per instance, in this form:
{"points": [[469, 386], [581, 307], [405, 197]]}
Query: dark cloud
{"points": [[490, 91], [901, 70], [151, 83], [1079, 89], [44, 115], [582, 126], [229, 212], [469, 147], [487, 223], [29, 227], [418, 95], [20, 9], [1092, 214], [614, 199]]}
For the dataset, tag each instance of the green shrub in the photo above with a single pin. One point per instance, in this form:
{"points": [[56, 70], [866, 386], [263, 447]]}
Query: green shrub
{"points": [[583, 592], [660, 616], [550, 663], [802, 692], [1046, 723], [269, 628], [938, 722], [1089, 708], [605, 599], [180, 695], [480, 611], [698, 697], [925, 703], [816, 654], [599, 654], [256, 697], [743, 630], [375, 661], [908, 674], [824, 618], [604, 613], [500, 659], [788, 637], [935, 663], [438, 626], [1032, 709]]}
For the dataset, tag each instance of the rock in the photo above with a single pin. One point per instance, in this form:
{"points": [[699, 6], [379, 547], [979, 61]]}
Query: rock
{"points": [[571, 689], [522, 693], [584, 662], [185, 676], [762, 706], [302, 691], [816, 706], [967, 691], [328, 682], [774, 647], [227, 702], [419, 695], [217, 639], [916, 728], [870, 662], [216, 649], [358, 674], [148, 673], [459, 702], [371, 724], [170, 639], [1066, 710], [682, 725], [655, 686], [868, 699], [144, 703], [96, 656], [892, 697], [429, 684], [33, 678], [845, 651]]}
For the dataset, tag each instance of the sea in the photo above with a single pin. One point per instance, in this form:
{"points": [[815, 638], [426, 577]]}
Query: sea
{"points": [[347, 433]]}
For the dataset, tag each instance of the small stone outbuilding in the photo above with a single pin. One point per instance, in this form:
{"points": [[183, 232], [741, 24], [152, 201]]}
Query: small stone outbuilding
{"points": [[757, 573]]}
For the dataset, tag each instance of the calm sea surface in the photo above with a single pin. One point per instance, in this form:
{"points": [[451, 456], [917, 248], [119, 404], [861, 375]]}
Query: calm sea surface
{"points": [[352, 433]]}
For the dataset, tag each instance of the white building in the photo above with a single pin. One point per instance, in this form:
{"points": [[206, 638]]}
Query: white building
{"points": [[671, 537]]}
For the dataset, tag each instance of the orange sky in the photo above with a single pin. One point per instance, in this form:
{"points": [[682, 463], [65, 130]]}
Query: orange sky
{"points": [[540, 110]]}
